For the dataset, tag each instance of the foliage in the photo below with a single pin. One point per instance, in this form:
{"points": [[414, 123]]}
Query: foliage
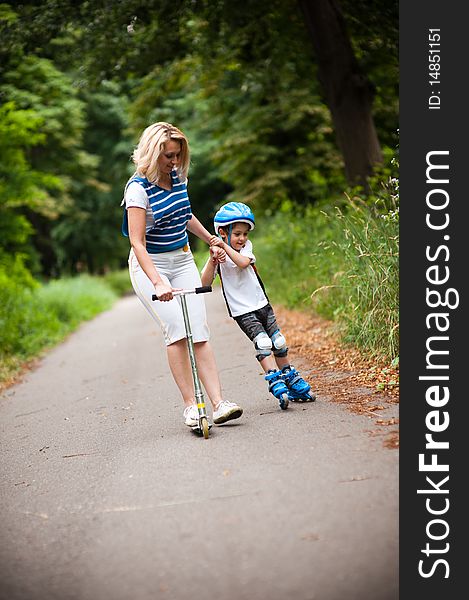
{"points": [[17, 315], [77, 299], [374, 32], [65, 166], [295, 234], [35, 84], [370, 287], [365, 296], [87, 237], [341, 261], [20, 185], [34, 317], [242, 83], [81, 80], [238, 110], [55, 163], [118, 281]]}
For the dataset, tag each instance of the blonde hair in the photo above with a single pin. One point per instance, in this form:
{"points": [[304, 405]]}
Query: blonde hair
{"points": [[152, 144]]}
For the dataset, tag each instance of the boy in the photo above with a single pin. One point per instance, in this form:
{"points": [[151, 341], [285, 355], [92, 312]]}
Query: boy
{"points": [[248, 304]]}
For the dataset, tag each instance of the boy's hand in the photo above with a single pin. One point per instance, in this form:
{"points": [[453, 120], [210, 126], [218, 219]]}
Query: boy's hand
{"points": [[217, 254]]}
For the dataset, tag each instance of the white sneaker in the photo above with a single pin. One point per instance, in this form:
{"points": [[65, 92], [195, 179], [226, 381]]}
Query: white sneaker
{"points": [[226, 411], [191, 416]]}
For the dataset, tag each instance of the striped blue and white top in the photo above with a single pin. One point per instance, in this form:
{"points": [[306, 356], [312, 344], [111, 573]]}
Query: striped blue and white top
{"points": [[168, 212]]}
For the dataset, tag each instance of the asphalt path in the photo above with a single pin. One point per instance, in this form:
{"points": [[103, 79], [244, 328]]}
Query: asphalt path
{"points": [[107, 495]]}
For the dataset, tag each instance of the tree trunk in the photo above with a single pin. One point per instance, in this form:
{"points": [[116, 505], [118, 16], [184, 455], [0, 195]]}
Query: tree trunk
{"points": [[347, 91]]}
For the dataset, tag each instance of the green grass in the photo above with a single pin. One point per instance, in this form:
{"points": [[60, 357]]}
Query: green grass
{"points": [[119, 281], [35, 318], [368, 297], [341, 263]]}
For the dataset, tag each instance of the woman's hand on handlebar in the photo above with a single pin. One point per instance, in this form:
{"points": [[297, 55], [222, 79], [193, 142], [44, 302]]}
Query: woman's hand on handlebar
{"points": [[164, 292]]}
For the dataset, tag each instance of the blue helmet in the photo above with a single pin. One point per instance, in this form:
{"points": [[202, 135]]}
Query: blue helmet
{"points": [[233, 212]]}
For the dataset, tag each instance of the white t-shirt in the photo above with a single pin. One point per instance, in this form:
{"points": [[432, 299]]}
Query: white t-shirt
{"points": [[135, 195], [242, 290]]}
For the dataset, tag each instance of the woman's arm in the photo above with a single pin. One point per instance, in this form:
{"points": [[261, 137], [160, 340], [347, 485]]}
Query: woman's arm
{"points": [[196, 227], [137, 222]]}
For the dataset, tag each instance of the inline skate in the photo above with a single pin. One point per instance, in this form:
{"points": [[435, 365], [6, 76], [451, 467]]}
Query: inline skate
{"points": [[277, 387], [298, 389]]}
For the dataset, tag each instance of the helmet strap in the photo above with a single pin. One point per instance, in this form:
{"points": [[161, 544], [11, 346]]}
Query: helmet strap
{"points": [[227, 233]]}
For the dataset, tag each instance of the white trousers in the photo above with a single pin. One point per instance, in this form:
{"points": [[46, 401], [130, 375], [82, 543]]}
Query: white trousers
{"points": [[180, 271]]}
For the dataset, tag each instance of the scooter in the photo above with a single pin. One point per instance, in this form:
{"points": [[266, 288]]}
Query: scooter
{"points": [[203, 427]]}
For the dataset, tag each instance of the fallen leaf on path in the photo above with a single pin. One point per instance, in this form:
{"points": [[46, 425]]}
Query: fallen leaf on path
{"points": [[310, 537]]}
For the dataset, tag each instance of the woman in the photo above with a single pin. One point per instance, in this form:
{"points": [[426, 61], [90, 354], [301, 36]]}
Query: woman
{"points": [[157, 217]]}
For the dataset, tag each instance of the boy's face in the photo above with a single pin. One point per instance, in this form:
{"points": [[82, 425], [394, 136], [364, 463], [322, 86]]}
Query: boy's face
{"points": [[239, 235]]}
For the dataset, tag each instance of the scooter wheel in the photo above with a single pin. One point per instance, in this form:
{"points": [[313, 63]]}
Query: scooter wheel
{"points": [[205, 427], [283, 401]]}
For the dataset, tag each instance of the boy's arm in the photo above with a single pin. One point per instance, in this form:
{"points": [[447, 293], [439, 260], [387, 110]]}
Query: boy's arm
{"points": [[208, 272], [239, 260]]}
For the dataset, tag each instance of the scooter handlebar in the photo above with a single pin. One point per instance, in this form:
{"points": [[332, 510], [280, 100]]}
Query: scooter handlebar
{"points": [[198, 290]]}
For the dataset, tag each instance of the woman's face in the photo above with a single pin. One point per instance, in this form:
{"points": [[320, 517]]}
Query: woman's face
{"points": [[169, 157]]}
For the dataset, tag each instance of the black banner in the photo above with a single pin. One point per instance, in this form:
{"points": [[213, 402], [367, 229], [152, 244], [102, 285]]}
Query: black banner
{"points": [[434, 235]]}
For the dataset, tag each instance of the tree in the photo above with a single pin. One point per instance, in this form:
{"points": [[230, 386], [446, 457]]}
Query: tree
{"points": [[19, 184], [348, 92], [75, 163], [87, 235], [258, 45], [134, 36], [269, 116], [64, 165]]}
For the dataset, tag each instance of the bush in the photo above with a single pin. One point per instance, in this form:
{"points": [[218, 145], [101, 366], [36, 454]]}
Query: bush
{"points": [[291, 259], [366, 293], [341, 262], [74, 300], [34, 317], [119, 281], [16, 298]]}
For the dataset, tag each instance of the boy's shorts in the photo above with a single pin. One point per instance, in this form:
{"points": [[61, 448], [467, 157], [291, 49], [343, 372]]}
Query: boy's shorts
{"points": [[258, 321]]}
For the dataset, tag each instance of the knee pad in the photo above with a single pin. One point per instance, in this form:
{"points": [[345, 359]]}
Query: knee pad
{"points": [[280, 344], [263, 345]]}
